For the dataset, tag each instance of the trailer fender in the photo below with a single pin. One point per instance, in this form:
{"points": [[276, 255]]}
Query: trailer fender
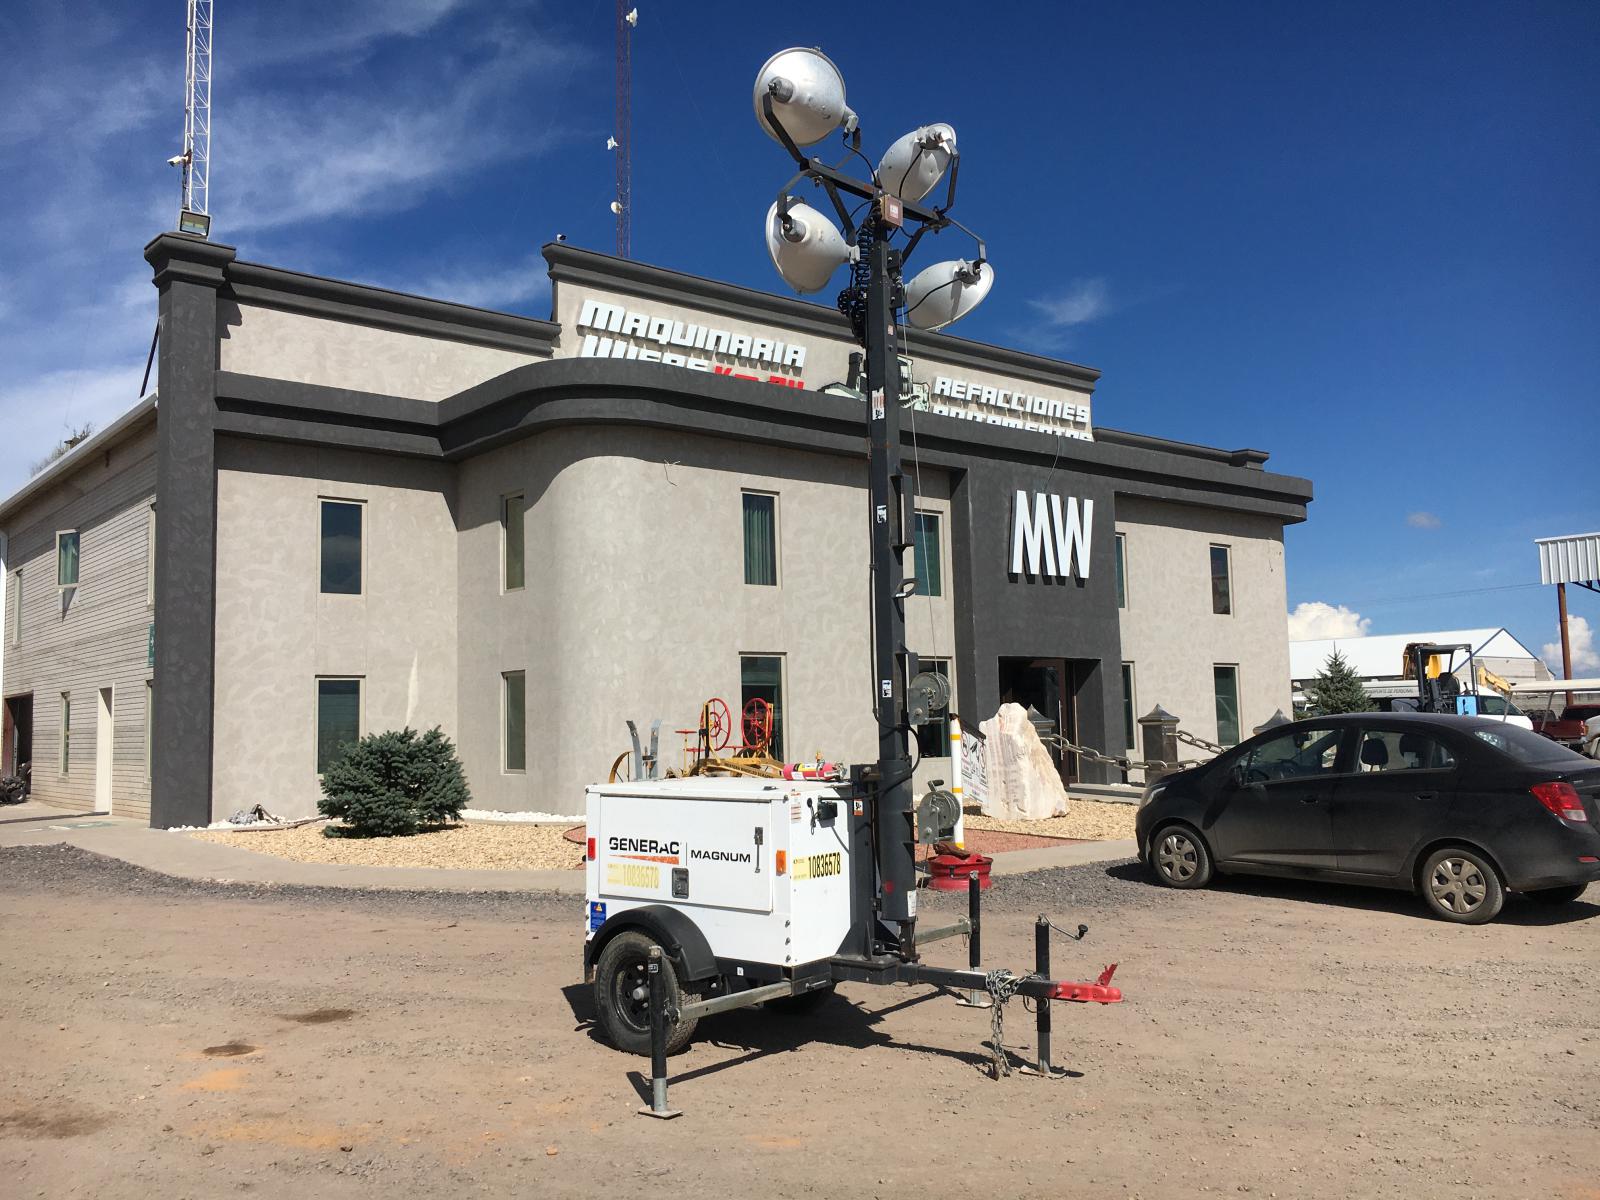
{"points": [[680, 939]]}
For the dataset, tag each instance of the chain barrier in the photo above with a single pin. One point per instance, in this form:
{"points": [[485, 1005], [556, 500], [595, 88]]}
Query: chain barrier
{"points": [[1199, 742], [1120, 761]]}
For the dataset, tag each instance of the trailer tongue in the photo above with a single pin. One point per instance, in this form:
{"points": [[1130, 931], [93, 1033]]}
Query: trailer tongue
{"points": [[706, 894]]}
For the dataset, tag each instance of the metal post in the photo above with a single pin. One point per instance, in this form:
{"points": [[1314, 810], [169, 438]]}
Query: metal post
{"points": [[974, 998], [895, 815], [1158, 731], [658, 1041], [1041, 966], [1566, 642]]}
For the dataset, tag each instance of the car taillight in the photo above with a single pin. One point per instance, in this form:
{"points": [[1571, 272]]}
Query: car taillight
{"points": [[1560, 798]]}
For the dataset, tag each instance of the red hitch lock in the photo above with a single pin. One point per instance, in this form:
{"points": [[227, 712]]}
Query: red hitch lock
{"points": [[1098, 992]]}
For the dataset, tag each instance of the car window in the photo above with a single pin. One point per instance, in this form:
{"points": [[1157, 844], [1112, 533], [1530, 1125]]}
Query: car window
{"points": [[1297, 755], [1525, 746], [1393, 750]]}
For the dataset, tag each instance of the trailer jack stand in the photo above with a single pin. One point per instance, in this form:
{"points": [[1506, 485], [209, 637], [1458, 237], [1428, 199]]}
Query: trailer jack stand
{"points": [[973, 998], [1041, 968], [658, 1042]]}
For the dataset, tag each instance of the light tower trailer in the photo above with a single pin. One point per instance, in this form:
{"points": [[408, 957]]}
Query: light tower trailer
{"points": [[707, 894]]}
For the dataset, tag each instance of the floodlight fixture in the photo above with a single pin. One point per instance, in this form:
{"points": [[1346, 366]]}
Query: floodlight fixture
{"points": [[807, 93], [197, 223], [942, 294], [805, 246], [913, 166]]}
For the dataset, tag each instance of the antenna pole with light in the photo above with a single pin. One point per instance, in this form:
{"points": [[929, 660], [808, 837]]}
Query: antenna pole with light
{"points": [[194, 214], [622, 140]]}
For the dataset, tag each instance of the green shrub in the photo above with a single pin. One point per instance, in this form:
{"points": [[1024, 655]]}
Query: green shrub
{"points": [[394, 784]]}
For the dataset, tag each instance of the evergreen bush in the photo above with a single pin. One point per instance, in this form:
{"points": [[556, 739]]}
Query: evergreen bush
{"points": [[394, 784], [1337, 689]]}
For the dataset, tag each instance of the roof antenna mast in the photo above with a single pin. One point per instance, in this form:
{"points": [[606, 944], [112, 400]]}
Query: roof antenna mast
{"points": [[195, 214], [622, 143]]}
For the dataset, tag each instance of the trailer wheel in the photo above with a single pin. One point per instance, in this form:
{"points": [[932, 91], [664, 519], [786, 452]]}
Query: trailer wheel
{"points": [[622, 995]]}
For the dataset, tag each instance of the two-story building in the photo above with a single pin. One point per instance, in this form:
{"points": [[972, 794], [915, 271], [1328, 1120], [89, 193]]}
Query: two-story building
{"points": [[346, 509]]}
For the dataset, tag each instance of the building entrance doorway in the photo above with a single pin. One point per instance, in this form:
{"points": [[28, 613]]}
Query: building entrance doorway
{"points": [[16, 734], [1047, 688]]}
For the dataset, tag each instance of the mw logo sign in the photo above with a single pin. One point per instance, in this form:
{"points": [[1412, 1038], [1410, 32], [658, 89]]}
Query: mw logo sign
{"points": [[1050, 539]]}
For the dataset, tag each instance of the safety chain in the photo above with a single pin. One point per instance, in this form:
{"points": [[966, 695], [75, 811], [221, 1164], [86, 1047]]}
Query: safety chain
{"points": [[1001, 985]]}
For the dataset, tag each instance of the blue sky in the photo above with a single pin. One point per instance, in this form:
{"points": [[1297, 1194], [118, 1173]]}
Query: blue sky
{"points": [[1364, 237]]}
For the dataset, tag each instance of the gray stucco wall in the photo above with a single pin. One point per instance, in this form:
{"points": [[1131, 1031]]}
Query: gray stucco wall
{"points": [[95, 637], [1171, 635], [636, 604], [276, 634]]}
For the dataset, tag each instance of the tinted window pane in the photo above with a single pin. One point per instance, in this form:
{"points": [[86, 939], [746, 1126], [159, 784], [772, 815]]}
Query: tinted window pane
{"points": [[762, 675], [338, 719], [760, 539], [516, 708], [1122, 571], [1227, 688], [1128, 722], [933, 739], [1392, 750], [67, 560], [1221, 595], [1526, 746], [1297, 755], [341, 548], [511, 514], [929, 569]]}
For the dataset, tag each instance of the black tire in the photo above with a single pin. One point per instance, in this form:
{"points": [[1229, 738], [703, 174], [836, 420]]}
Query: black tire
{"points": [[1461, 885], [1558, 895], [802, 1005], [622, 1014], [1179, 857]]}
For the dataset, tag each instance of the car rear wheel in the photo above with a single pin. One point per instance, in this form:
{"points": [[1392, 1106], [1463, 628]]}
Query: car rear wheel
{"points": [[1559, 895], [1460, 885], [1179, 858]]}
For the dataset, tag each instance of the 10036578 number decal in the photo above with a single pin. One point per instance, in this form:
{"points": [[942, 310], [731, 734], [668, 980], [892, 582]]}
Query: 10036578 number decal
{"points": [[629, 875], [818, 866]]}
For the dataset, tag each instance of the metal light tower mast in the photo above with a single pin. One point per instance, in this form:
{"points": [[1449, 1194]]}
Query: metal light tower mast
{"points": [[196, 156], [623, 205]]}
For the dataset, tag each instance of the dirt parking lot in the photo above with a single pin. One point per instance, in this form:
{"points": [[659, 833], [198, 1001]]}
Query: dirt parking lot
{"points": [[171, 1039]]}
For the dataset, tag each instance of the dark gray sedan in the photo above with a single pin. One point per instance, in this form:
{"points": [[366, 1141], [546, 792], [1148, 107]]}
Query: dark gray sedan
{"points": [[1460, 810]]}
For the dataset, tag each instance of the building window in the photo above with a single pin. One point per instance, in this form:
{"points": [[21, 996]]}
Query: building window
{"points": [[1221, 591], [515, 704], [1226, 682], [16, 607], [341, 548], [513, 546], [67, 558], [929, 565], [66, 732], [338, 719], [150, 558], [149, 725], [1122, 570], [761, 539], [933, 739], [1130, 727], [761, 676]]}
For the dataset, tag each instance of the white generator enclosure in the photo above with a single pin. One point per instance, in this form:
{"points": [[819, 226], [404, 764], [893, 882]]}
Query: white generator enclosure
{"points": [[760, 866]]}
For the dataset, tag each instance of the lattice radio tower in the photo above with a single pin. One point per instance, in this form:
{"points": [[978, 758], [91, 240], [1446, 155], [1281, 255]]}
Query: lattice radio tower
{"points": [[196, 156], [623, 205]]}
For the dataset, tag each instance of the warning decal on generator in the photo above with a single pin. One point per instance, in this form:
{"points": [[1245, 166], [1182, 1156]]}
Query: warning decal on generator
{"points": [[818, 866]]}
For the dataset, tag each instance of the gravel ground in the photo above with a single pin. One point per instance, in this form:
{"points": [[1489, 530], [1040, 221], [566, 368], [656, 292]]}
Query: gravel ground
{"points": [[1090, 820], [166, 1038], [476, 845]]}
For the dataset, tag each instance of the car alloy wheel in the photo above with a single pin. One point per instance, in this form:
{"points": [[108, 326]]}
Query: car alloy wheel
{"points": [[1458, 885]]}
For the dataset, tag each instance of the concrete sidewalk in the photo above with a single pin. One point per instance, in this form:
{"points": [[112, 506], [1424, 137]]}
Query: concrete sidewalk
{"points": [[183, 856]]}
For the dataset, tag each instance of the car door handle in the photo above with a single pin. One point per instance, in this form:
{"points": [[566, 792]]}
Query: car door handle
{"points": [[1427, 795], [1308, 799]]}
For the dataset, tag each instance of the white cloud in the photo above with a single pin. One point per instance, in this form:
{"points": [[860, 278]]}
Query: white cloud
{"points": [[270, 36], [1423, 520], [1083, 300], [1585, 655], [1314, 619]]}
